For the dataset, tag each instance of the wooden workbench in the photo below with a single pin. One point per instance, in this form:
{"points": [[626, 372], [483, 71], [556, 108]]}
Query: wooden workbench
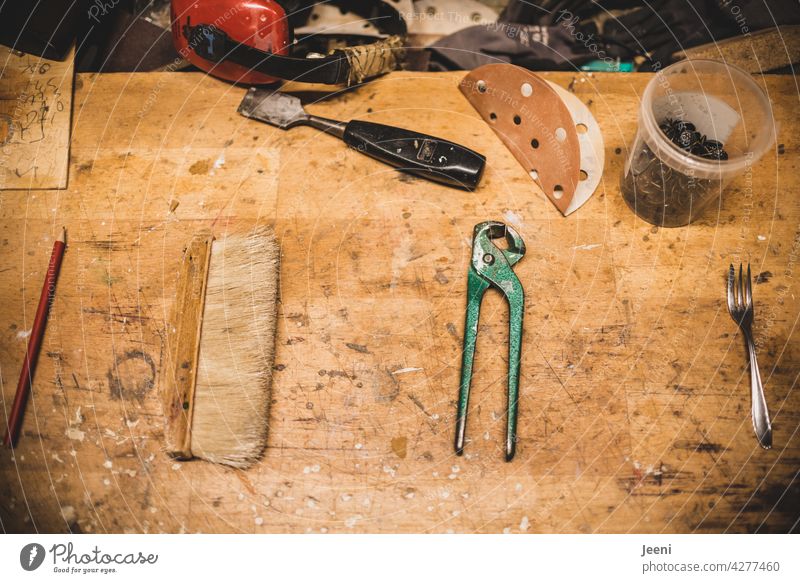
{"points": [[634, 390]]}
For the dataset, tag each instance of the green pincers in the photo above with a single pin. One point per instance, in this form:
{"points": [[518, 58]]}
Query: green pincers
{"points": [[492, 267]]}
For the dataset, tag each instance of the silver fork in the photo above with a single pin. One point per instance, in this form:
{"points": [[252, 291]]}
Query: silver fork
{"points": [[740, 306]]}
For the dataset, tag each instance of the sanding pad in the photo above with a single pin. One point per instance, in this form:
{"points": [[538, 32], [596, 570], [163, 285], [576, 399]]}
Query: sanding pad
{"points": [[534, 123], [590, 139]]}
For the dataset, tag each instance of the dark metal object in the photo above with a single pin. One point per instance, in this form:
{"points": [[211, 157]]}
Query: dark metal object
{"points": [[684, 135], [662, 195], [492, 267], [740, 306], [45, 28], [411, 152]]}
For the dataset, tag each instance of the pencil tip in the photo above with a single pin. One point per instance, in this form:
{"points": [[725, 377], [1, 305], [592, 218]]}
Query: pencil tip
{"points": [[63, 236]]}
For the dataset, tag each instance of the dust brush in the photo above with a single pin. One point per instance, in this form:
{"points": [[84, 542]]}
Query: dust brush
{"points": [[221, 349]]}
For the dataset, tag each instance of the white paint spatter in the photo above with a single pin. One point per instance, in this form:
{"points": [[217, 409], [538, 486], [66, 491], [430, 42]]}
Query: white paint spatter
{"points": [[587, 247], [259, 521], [401, 257], [108, 464], [75, 434], [405, 370], [351, 521], [68, 513], [176, 467], [513, 218], [54, 457], [23, 334], [524, 524], [762, 238], [311, 469], [218, 163]]}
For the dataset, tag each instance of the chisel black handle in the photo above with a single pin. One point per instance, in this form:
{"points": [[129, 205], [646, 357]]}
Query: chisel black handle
{"points": [[418, 154]]}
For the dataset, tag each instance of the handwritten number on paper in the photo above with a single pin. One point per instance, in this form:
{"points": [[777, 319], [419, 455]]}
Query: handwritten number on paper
{"points": [[35, 112]]}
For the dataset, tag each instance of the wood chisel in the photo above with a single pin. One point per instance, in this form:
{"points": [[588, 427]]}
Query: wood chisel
{"points": [[412, 152]]}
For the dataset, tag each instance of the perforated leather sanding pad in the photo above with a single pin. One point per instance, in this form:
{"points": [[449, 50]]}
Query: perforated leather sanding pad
{"points": [[533, 122]]}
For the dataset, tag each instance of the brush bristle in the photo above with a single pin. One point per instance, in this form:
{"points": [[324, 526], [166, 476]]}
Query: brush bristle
{"points": [[237, 349]]}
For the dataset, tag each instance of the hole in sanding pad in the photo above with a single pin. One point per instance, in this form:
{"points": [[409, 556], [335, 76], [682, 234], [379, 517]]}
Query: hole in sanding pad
{"points": [[551, 143], [581, 128], [558, 191], [481, 86], [584, 175]]}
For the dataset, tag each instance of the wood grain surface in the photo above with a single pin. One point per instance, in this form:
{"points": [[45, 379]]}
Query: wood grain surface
{"points": [[35, 107], [634, 412]]}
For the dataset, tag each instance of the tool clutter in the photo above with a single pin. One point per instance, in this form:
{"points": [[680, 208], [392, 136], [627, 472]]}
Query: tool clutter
{"points": [[216, 388], [550, 132]]}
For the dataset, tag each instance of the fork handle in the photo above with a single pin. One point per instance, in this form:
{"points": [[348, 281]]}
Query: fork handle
{"points": [[760, 413]]}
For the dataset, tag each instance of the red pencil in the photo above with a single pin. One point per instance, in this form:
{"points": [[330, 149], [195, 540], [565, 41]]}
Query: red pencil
{"points": [[35, 342]]}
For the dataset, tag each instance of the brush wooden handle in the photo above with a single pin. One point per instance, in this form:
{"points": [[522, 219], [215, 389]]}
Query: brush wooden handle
{"points": [[183, 346]]}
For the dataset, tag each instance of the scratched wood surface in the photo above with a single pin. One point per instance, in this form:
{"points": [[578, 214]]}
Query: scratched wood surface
{"points": [[634, 387], [35, 106]]}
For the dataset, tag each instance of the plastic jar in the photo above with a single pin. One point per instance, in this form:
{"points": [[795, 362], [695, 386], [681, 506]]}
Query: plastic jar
{"points": [[666, 185]]}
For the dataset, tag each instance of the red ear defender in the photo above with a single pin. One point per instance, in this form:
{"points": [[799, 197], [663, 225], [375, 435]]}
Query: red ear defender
{"points": [[205, 32], [250, 41]]}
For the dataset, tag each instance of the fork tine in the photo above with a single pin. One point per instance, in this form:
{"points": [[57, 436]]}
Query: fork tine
{"points": [[740, 290], [748, 290], [731, 299]]}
